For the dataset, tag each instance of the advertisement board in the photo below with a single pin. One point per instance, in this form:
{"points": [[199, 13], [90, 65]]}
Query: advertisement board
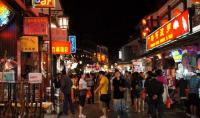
{"points": [[169, 32], [37, 26]]}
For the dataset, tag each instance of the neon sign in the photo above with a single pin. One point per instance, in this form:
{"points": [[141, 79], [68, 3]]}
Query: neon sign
{"points": [[167, 33], [5, 14], [43, 3]]}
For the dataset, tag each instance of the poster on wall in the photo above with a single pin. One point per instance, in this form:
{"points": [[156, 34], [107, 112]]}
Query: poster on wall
{"points": [[36, 26], [29, 43], [7, 77], [6, 14]]}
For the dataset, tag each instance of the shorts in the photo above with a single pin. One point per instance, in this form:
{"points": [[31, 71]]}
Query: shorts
{"points": [[82, 100], [104, 99], [193, 99]]}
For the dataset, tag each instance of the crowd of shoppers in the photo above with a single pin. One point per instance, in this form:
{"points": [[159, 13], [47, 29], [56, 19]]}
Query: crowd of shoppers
{"points": [[151, 87]]}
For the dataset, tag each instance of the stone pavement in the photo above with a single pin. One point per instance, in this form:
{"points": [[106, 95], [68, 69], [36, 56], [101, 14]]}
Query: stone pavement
{"points": [[93, 111]]}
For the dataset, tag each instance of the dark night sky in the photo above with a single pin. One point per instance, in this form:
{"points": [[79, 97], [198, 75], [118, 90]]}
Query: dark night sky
{"points": [[107, 22]]}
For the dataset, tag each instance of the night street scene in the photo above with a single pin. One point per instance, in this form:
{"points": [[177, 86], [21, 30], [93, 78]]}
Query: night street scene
{"points": [[99, 59]]}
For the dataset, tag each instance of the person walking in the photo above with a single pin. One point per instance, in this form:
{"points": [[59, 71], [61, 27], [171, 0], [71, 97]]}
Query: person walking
{"points": [[194, 85], [90, 84], [155, 90], [103, 90], [119, 87], [136, 86], [66, 87], [82, 94]]}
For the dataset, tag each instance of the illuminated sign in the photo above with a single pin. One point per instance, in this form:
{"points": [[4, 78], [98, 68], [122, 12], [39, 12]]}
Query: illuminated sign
{"points": [[177, 55], [5, 14], [61, 47], [43, 3], [58, 34], [29, 43], [167, 33], [36, 26], [72, 40]]}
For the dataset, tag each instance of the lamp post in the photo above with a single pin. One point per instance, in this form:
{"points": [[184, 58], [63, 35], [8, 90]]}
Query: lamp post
{"points": [[63, 23]]}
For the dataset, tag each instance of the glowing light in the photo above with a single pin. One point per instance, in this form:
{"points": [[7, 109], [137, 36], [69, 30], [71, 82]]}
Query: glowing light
{"points": [[144, 22], [5, 13]]}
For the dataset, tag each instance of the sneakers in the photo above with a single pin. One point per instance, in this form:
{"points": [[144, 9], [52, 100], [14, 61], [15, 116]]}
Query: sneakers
{"points": [[82, 116], [103, 116]]}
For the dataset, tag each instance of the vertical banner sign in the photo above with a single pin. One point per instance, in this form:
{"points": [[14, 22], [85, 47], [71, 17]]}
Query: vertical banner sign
{"points": [[43, 3], [61, 47], [167, 33], [36, 26], [29, 43], [72, 40]]}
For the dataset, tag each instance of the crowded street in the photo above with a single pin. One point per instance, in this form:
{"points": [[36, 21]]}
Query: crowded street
{"points": [[99, 59]]}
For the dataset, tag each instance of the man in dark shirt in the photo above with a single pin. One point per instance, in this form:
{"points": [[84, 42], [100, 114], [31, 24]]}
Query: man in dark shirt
{"points": [[119, 86], [66, 88], [155, 90]]}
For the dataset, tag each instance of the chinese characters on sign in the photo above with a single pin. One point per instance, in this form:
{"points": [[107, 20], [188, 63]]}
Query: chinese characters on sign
{"points": [[29, 43], [35, 26], [35, 78], [43, 3], [170, 31], [72, 40], [61, 47]]}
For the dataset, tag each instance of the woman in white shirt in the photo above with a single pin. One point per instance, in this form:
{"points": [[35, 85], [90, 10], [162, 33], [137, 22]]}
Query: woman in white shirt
{"points": [[82, 94]]}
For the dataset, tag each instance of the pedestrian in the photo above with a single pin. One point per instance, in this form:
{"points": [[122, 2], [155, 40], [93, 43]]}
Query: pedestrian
{"points": [[160, 77], [109, 90], [194, 85], [119, 87], [90, 84], [82, 94], [146, 85], [66, 87], [155, 90], [103, 90], [142, 93], [136, 86], [128, 87], [57, 81]]}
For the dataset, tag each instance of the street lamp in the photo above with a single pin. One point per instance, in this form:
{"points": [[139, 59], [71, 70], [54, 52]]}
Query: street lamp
{"points": [[63, 22]]}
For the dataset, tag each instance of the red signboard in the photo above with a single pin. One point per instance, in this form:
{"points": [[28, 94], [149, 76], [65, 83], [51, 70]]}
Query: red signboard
{"points": [[59, 34], [36, 26], [43, 3], [61, 47], [167, 33]]}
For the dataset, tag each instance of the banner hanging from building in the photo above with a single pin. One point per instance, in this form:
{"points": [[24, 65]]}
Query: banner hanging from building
{"points": [[72, 40], [61, 47], [175, 28], [43, 3], [29, 43], [37, 26]]}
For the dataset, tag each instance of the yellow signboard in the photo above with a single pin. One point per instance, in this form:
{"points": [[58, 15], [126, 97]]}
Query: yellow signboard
{"points": [[29, 44]]}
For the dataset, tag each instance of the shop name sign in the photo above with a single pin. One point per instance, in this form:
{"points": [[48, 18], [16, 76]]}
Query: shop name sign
{"points": [[61, 47], [168, 33], [29, 43], [43, 3], [36, 26], [35, 78]]}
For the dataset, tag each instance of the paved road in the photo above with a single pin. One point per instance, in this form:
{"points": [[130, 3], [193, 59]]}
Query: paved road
{"points": [[92, 111]]}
